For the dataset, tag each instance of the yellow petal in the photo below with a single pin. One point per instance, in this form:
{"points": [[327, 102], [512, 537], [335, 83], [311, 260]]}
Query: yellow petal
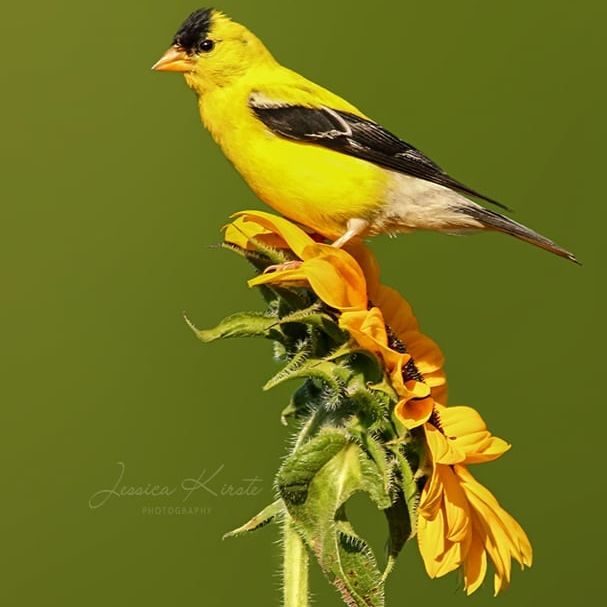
{"points": [[293, 235], [475, 564], [410, 388], [426, 354], [245, 234], [436, 379], [431, 497], [281, 277], [442, 449], [396, 310], [369, 325], [374, 325], [337, 279], [437, 382], [368, 263], [414, 412], [354, 321], [439, 392], [460, 421], [517, 538], [470, 435], [451, 558], [440, 555], [431, 542], [331, 273], [504, 536], [455, 505], [368, 329], [492, 450]]}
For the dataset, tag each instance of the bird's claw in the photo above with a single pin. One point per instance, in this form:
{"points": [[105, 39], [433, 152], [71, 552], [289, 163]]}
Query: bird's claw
{"points": [[280, 267]]}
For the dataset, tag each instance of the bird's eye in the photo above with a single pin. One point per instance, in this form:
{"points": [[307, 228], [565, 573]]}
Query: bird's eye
{"points": [[207, 45]]}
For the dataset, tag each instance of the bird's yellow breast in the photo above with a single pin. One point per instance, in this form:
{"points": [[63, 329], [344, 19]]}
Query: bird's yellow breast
{"points": [[308, 183]]}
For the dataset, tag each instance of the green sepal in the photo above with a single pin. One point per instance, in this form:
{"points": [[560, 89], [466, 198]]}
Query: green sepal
{"points": [[379, 474], [315, 482], [308, 397], [315, 318], [298, 470], [265, 517], [242, 324], [292, 368], [261, 257], [303, 367], [399, 530], [409, 488]]}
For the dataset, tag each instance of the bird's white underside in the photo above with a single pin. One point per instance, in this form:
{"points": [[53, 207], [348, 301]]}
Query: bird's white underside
{"points": [[411, 203]]}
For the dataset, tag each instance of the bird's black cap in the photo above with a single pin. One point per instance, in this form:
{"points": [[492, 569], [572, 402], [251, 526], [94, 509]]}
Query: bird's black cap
{"points": [[194, 30]]}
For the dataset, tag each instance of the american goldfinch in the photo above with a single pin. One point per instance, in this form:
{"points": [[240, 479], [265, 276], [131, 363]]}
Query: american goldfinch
{"points": [[313, 156]]}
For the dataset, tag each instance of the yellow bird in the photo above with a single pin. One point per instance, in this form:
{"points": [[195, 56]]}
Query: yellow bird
{"points": [[313, 156]]}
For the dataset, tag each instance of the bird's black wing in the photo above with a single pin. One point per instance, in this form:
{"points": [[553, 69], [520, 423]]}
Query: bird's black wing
{"points": [[350, 134]]}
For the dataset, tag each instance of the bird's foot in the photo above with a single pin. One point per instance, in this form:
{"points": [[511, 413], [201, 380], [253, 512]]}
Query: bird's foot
{"points": [[280, 267], [355, 228]]}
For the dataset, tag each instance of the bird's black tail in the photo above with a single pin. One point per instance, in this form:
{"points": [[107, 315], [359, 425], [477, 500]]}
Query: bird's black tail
{"points": [[495, 221]]}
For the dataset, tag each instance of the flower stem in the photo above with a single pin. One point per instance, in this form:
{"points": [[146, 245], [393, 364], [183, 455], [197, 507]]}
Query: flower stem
{"points": [[295, 567]]}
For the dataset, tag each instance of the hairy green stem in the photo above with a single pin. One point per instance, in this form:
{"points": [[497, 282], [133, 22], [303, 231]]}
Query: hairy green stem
{"points": [[295, 567]]}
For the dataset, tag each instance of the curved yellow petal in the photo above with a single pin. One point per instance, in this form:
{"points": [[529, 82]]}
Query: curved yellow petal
{"points": [[331, 273], [354, 320], [492, 449], [367, 323], [481, 498], [460, 421], [337, 279], [431, 542], [440, 555], [295, 276], [427, 355], [367, 328], [442, 449], [439, 391], [294, 236], [456, 508], [437, 382], [504, 537], [396, 310], [368, 264], [470, 435], [407, 388], [244, 234], [374, 325], [436, 379], [431, 497], [414, 412], [451, 559]]}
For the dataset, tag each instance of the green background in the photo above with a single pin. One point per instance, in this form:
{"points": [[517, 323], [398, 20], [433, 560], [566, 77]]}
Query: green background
{"points": [[112, 194]]}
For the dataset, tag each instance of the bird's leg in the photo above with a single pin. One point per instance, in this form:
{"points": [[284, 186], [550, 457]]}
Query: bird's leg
{"points": [[355, 227]]}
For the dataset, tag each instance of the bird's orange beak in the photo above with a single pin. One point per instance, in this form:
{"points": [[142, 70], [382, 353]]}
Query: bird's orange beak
{"points": [[174, 60]]}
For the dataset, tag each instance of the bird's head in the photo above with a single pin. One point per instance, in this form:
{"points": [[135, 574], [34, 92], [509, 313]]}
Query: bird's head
{"points": [[212, 51]]}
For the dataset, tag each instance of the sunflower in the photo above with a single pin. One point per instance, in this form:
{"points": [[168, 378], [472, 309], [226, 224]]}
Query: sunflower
{"points": [[376, 316], [460, 522]]}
